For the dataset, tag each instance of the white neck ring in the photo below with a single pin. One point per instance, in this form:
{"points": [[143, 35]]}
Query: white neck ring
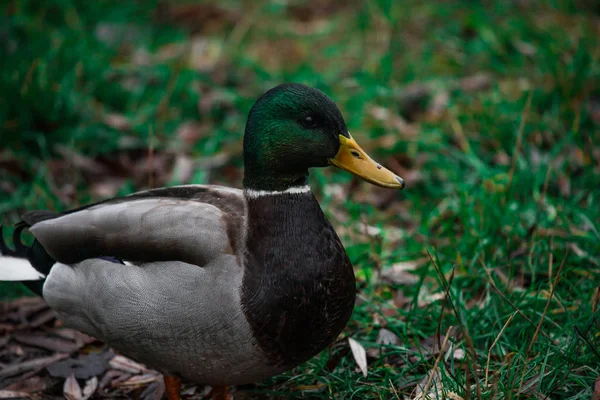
{"points": [[254, 194]]}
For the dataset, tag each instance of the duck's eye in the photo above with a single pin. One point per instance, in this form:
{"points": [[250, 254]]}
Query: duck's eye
{"points": [[309, 121]]}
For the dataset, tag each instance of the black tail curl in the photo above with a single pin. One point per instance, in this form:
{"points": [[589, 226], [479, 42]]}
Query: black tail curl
{"points": [[36, 255]]}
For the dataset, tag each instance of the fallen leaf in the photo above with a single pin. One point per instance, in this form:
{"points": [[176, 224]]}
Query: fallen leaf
{"points": [[532, 385], [360, 355], [438, 105], [31, 365], [401, 273], [190, 132], [384, 337], [9, 394], [400, 299], [198, 18], [204, 52], [425, 298], [430, 387], [459, 354], [15, 349], [387, 337], [106, 188], [111, 376], [597, 389], [127, 365], [117, 121], [30, 385], [46, 342], [393, 121], [23, 305], [475, 83], [42, 319], [80, 161], [71, 389], [138, 380], [156, 391], [90, 388], [79, 337], [183, 170]]}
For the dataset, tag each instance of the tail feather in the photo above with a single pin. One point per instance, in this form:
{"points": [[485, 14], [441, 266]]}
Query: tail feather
{"points": [[20, 249], [28, 265]]}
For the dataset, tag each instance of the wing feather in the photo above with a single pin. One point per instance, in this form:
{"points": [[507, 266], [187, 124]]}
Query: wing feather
{"points": [[189, 224]]}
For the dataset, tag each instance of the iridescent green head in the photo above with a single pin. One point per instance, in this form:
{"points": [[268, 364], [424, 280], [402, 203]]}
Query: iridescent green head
{"points": [[294, 127]]}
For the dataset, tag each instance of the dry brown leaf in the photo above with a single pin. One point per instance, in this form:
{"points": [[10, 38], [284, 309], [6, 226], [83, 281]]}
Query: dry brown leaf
{"points": [[79, 337], [156, 391], [127, 365], [458, 354], [426, 298], [400, 273], [387, 337], [204, 52], [112, 376], [197, 18], [90, 388], [107, 188], [435, 386], [438, 105], [71, 389], [42, 319], [15, 349], [30, 385], [190, 132], [24, 306], [117, 121], [47, 342], [475, 83], [138, 380], [31, 365], [9, 394], [183, 169], [384, 338], [393, 121], [400, 299], [360, 355], [80, 161]]}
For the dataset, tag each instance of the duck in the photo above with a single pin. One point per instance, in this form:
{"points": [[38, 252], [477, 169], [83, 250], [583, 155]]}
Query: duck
{"points": [[206, 283]]}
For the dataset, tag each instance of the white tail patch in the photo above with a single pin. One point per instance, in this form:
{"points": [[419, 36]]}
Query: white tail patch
{"points": [[18, 269]]}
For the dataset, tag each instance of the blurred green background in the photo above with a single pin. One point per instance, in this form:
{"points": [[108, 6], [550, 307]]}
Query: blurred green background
{"points": [[490, 110]]}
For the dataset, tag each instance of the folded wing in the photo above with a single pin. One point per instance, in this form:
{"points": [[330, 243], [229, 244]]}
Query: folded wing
{"points": [[193, 224]]}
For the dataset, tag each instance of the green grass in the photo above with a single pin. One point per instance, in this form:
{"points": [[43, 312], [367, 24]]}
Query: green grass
{"points": [[502, 180]]}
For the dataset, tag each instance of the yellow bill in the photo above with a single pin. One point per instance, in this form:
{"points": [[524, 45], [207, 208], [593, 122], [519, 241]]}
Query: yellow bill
{"points": [[353, 159]]}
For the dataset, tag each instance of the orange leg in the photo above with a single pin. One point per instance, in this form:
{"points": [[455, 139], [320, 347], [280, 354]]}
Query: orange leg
{"points": [[172, 387], [220, 393]]}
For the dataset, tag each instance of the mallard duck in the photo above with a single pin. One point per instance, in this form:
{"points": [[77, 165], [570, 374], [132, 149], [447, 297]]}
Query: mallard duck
{"points": [[207, 283]]}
